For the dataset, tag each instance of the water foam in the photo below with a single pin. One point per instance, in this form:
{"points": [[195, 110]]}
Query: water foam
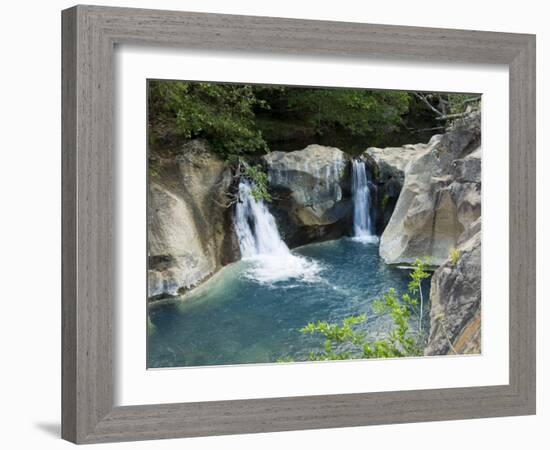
{"points": [[261, 245]]}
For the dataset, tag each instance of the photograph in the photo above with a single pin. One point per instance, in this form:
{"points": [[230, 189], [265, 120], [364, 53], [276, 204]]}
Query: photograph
{"points": [[300, 224], [259, 225]]}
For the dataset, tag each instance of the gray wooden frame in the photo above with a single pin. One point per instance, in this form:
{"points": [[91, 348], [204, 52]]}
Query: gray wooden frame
{"points": [[89, 36]]}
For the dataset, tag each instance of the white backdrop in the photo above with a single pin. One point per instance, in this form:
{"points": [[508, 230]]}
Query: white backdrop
{"points": [[30, 223]]}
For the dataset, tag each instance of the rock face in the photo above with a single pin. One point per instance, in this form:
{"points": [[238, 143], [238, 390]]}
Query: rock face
{"points": [[438, 209], [390, 163], [455, 296], [440, 198], [387, 167], [189, 230], [312, 193]]}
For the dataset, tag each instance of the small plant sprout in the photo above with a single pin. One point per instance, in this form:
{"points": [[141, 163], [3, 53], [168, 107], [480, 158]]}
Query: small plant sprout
{"points": [[415, 285], [454, 255]]}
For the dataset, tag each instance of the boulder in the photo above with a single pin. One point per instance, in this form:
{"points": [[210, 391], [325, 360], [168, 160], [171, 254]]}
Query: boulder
{"points": [[390, 163], [387, 168], [189, 229], [455, 297], [440, 198], [311, 193]]}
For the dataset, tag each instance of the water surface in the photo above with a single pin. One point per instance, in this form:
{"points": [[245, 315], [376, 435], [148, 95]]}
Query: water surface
{"points": [[252, 310]]}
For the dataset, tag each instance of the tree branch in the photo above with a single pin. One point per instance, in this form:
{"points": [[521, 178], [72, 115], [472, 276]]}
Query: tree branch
{"points": [[424, 100], [421, 130], [470, 100], [454, 116], [228, 205]]}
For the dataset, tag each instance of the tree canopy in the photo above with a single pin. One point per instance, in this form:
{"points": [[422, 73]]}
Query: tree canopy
{"points": [[221, 113], [242, 119]]}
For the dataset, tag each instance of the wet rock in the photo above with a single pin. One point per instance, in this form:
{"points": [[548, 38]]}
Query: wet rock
{"points": [[312, 193]]}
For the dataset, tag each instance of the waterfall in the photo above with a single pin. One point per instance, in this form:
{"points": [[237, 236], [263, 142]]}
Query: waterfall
{"points": [[362, 223], [262, 246], [256, 227]]}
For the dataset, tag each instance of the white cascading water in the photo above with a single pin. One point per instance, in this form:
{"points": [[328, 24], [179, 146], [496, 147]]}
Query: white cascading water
{"points": [[261, 243], [256, 227], [362, 224]]}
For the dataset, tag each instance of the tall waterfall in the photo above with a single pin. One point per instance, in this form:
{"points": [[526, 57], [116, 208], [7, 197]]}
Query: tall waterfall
{"points": [[362, 224], [262, 245]]}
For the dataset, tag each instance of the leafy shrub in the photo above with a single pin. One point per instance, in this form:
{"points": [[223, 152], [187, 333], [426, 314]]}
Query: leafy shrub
{"points": [[259, 179], [221, 113]]}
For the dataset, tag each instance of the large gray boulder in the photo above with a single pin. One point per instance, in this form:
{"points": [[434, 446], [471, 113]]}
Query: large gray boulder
{"points": [[390, 163], [311, 190], [440, 198], [455, 296], [387, 167], [189, 229]]}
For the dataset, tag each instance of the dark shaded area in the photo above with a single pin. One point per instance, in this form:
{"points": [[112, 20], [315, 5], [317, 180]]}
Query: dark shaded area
{"points": [[417, 124], [384, 196]]}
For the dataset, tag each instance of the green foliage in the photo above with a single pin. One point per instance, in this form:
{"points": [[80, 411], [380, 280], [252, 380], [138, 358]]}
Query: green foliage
{"points": [[449, 107], [331, 115], [415, 285], [417, 275], [259, 179], [397, 342], [346, 341], [233, 118], [337, 336], [457, 103], [454, 255], [221, 113], [359, 111]]}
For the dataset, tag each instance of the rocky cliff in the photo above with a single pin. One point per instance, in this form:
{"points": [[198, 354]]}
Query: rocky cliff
{"points": [[455, 312], [432, 194], [311, 193], [440, 198], [189, 229]]}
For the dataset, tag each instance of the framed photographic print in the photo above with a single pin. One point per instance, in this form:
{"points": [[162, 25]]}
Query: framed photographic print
{"points": [[277, 224]]}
